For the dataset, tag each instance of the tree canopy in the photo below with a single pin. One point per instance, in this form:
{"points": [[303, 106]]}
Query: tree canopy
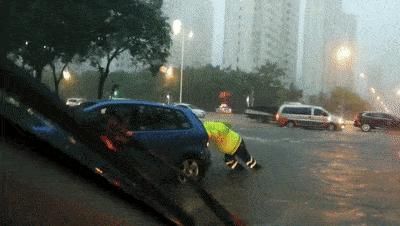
{"points": [[134, 26], [47, 32], [341, 101], [201, 86]]}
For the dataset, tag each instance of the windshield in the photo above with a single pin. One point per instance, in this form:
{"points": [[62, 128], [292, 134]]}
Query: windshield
{"points": [[309, 88]]}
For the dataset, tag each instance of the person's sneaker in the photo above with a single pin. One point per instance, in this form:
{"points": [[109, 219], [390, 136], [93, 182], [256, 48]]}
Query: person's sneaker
{"points": [[256, 167]]}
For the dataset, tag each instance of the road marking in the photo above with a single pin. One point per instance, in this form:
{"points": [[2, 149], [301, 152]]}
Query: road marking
{"points": [[297, 141]]}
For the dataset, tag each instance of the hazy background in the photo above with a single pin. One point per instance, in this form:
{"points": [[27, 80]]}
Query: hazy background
{"points": [[378, 36]]}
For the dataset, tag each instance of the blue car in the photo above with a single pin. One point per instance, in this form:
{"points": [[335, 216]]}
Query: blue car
{"points": [[171, 133]]}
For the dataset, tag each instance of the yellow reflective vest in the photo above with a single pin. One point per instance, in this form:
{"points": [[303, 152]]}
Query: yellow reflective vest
{"points": [[226, 140]]}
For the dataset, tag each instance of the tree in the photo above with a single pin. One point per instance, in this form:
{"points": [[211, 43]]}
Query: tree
{"points": [[267, 84], [321, 99], [293, 93], [136, 27], [74, 34], [45, 32], [29, 40], [344, 100]]}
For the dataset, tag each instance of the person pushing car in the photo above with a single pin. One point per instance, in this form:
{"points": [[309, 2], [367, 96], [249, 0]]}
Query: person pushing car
{"points": [[231, 144]]}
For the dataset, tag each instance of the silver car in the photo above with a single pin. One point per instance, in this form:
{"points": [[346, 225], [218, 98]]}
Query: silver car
{"points": [[74, 101], [200, 113]]}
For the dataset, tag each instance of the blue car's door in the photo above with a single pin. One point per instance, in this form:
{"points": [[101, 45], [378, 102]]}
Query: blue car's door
{"points": [[167, 132]]}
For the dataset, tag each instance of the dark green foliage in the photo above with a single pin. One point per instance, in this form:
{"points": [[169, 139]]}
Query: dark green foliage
{"points": [[341, 101], [201, 86], [46, 32]]}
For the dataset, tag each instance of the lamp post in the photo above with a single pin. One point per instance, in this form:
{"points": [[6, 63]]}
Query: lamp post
{"points": [[343, 57], [178, 28]]}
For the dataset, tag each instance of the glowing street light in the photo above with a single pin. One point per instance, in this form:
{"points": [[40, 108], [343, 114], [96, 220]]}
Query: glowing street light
{"points": [[176, 27], [398, 92], [343, 53], [373, 90], [66, 75], [169, 73], [378, 97], [163, 69], [190, 35], [362, 75]]}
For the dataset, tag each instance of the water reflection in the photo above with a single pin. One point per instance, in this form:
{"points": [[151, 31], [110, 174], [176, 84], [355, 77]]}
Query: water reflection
{"points": [[353, 193]]}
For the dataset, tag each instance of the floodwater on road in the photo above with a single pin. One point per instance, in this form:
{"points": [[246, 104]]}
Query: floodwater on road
{"points": [[312, 177]]}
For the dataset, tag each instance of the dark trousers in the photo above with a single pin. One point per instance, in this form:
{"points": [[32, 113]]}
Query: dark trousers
{"points": [[241, 153]]}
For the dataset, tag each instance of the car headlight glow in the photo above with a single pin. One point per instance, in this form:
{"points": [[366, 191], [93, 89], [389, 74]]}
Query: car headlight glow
{"points": [[341, 121]]}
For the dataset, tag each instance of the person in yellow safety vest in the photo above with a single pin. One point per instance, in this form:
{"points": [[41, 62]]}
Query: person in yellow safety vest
{"points": [[230, 143]]}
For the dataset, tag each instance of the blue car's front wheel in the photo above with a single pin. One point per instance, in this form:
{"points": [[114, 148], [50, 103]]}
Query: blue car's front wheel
{"points": [[190, 168]]}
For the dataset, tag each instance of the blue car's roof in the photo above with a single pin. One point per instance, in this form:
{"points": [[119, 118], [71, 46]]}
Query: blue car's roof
{"points": [[108, 102]]}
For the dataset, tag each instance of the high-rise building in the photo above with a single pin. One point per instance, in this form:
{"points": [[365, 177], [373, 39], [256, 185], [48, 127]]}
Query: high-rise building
{"points": [[196, 17], [328, 31], [257, 31]]}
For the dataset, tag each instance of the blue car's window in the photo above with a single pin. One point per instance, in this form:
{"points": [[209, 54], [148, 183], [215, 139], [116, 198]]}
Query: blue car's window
{"points": [[148, 118]]}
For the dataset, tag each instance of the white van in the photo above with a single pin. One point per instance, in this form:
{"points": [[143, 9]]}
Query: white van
{"points": [[300, 115]]}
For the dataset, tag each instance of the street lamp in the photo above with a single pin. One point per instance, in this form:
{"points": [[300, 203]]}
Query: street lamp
{"points": [[178, 28], [373, 90], [169, 73], [66, 75], [343, 60], [343, 54]]}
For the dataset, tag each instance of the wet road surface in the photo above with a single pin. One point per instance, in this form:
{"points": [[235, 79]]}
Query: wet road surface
{"points": [[312, 177], [308, 177]]}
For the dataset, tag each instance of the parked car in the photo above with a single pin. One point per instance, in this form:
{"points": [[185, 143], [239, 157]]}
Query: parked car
{"points": [[300, 115], [74, 101], [262, 113], [374, 120], [196, 110], [224, 108], [173, 133]]}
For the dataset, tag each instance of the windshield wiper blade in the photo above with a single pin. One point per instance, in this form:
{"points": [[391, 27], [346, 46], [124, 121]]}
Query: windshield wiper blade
{"points": [[37, 96]]}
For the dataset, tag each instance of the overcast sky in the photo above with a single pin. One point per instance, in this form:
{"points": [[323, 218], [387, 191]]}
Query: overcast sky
{"points": [[378, 35], [219, 12]]}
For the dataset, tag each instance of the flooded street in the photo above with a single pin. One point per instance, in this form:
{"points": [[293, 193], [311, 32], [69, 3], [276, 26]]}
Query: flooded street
{"points": [[308, 177], [313, 177]]}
